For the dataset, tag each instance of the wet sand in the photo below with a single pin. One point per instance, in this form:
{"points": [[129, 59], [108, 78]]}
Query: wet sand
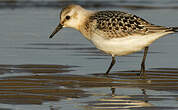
{"points": [[50, 83]]}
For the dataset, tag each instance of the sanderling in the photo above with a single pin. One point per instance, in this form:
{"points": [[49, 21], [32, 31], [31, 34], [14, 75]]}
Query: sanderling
{"points": [[115, 33]]}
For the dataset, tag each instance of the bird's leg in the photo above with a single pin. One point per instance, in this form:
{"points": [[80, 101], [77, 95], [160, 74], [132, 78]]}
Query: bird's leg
{"points": [[111, 65], [142, 71]]}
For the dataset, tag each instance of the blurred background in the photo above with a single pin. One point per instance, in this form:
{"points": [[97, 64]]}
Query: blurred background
{"points": [[89, 3]]}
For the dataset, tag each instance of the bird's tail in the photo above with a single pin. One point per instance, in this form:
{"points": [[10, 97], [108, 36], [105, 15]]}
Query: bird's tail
{"points": [[175, 29]]}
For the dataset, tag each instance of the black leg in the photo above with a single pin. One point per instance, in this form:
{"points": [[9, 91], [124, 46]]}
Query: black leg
{"points": [[142, 71], [111, 65]]}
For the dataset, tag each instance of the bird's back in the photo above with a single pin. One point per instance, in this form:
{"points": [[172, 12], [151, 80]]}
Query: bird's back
{"points": [[117, 24]]}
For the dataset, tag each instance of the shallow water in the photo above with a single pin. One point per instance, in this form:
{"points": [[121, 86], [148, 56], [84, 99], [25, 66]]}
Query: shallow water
{"points": [[66, 73]]}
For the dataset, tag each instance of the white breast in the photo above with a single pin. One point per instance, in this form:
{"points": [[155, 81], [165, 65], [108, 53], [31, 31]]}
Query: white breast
{"points": [[124, 45]]}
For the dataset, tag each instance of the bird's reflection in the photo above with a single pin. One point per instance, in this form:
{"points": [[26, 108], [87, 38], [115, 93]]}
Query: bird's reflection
{"points": [[116, 101], [145, 96]]}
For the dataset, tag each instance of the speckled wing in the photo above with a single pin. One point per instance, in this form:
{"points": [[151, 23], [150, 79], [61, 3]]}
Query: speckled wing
{"points": [[114, 24]]}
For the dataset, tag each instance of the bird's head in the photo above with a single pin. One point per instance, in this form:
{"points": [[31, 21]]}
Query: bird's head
{"points": [[70, 16]]}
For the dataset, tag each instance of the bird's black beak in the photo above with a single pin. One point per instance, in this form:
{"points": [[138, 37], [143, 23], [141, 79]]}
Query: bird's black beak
{"points": [[58, 28]]}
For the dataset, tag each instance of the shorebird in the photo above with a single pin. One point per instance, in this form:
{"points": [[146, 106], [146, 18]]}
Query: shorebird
{"points": [[115, 33]]}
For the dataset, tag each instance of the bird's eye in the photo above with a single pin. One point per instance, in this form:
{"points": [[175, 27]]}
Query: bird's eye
{"points": [[67, 17]]}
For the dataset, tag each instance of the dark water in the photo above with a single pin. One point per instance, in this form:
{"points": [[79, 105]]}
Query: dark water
{"points": [[66, 73]]}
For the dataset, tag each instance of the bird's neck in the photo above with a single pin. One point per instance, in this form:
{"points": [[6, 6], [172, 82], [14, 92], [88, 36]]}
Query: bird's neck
{"points": [[83, 26]]}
